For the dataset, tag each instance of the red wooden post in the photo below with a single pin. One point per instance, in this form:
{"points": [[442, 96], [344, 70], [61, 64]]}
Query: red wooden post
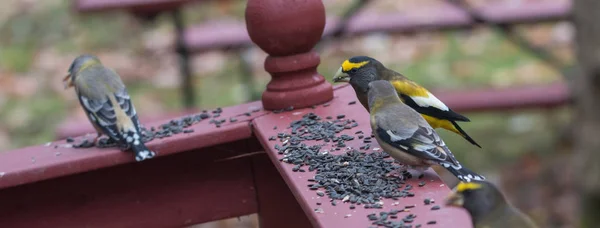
{"points": [[287, 31], [277, 206]]}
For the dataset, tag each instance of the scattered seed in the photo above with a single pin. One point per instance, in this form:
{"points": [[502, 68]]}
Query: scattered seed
{"points": [[422, 183], [351, 102], [353, 176], [70, 140], [188, 130], [436, 207], [427, 201], [372, 217], [431, 222]]}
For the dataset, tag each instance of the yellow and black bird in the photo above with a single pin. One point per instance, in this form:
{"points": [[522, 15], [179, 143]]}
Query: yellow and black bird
{"points": [[406, 136], [487, 206], [105, 100], [360, 70]]}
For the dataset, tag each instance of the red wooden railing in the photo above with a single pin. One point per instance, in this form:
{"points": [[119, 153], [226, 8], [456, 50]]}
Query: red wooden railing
{"points": [[200, 176]]}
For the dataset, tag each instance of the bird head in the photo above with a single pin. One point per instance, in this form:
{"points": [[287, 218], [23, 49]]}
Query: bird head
{"points": [[80, 63], [478, 197], [358, 71]]}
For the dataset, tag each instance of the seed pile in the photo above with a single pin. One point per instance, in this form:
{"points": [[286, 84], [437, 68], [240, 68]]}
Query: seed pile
{"points": [[385, 219], [168, 129], [353, 177]]}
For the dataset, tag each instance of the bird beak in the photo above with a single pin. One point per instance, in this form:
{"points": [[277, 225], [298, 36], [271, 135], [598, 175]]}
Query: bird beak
{"points": [[67, 82], [341, 76], [455, 199]]}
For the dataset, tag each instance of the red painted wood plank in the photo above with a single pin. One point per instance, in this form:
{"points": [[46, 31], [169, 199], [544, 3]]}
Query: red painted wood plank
{"points": [[446, 15], [70, 128], [506, 99], [217, 35], [334, 216], [442, 15], [233, 34], [174, 191], [523, 11], [277, 206], [134, 5], [42, 162]]}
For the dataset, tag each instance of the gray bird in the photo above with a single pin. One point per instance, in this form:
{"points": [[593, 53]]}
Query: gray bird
{"points": [[406, 136], [105, 100]]}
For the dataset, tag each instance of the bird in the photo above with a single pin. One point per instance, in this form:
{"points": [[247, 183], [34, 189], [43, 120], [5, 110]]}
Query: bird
{"points": [[360, 70], [405, 135], [107, 105], [487, 206]]}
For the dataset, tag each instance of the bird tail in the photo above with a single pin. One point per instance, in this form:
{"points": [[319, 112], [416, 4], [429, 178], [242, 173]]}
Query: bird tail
{"points": [[463, 173], [137, 146], [464, 134]]}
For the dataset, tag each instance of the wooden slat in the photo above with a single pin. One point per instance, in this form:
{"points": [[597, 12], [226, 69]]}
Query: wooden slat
{"points": [[277, 206], [334, 216], [232, 34], [71, 128], [524, 11], [175, 191], [35, 163], [506, 99], [215, 35], [147, 6]]}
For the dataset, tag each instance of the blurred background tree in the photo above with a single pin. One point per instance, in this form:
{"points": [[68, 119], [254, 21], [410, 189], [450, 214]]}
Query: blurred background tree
{"points": [[586, 90]]}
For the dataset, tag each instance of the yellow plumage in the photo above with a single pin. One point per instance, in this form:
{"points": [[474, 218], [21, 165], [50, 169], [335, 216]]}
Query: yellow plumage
{"points": [[409, 88]]}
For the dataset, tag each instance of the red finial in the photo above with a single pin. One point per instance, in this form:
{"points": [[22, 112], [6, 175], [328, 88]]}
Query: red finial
{"points": [[287, 30]]}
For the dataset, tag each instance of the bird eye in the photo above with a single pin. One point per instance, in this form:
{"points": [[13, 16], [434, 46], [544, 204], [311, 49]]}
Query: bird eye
{"points": [[353, 70]]}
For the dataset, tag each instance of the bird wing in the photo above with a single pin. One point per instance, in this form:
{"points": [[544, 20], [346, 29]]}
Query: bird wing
{"points": [[423, 101], [409, 132], [98, 92], [102, 114]]}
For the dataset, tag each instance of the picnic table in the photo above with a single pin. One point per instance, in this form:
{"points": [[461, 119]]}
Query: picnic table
{"points": [[228, 162], [232, 35]]}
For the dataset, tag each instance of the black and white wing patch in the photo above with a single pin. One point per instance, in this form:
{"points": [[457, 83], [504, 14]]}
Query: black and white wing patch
{"points": [[124, 101], [424, 143], [101, 112]]}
